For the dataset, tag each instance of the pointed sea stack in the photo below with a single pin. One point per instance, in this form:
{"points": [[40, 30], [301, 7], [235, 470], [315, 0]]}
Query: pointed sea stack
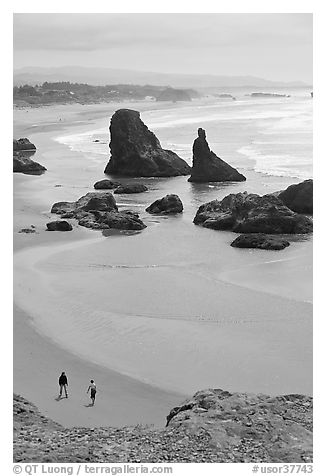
{"points": [[137, 152], [207, 167]]}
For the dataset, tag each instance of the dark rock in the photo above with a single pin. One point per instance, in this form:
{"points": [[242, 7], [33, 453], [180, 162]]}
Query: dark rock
{"points": [[59, 225], [96, 140], [99, 211], [125, 220], [260, 241], [106, 184], [136, 151], [91, 201], [28, 230], [207, 167], [299, 197], [170, 204], [23, 144], [174, 95], [251, 213], [24, 164], [131, 188]]}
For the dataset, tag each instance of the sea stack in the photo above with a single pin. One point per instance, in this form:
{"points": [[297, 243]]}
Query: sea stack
{"points": [[137, 152], [207, 167]]}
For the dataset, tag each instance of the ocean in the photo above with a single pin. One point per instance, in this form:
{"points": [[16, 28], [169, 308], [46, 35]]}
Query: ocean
{"points": [[175, 305]]}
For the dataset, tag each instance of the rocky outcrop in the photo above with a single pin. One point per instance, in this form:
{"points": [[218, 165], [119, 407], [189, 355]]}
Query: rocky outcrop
{"points": [[299, 197], [273, 429], [207, 167], [251, 213], [168, 205], [214, 426], [136, 151], [106, 184], [131, 188], [268, 95], [31, 229], [260, 241], [22, 144], [22, 163], [174, 95], [99, 211], [59, 225]]}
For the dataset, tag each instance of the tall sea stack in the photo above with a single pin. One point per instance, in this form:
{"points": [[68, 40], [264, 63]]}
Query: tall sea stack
{"points": [[207, 167], [137, 152]]}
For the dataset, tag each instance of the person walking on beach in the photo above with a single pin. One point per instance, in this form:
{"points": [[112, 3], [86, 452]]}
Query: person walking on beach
{"points": [[92, 388], [63, 384]]}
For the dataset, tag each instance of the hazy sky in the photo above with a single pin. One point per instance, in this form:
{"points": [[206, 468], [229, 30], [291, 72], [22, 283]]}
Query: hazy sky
{"points": [[275, 46]]}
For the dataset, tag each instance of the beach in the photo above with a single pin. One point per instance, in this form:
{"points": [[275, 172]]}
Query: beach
{"points": [[157, 315]]}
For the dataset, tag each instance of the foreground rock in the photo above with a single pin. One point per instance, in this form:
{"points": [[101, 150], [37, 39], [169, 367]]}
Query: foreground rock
{"points": [[131, 188], [170, 204], [59, 225], [214, 426], [24, 164], [299, 197], [106, 184], [136, 151], [99, 211], [260, 241], [251, 213], [273, 429], [22, 144], [207, 167]]}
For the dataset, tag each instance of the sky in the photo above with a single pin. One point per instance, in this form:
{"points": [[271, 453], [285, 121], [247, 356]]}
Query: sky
{"points": [[275, 46]]}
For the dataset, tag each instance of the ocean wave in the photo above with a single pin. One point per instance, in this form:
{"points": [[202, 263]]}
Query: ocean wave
{"points": [[279, 165]]}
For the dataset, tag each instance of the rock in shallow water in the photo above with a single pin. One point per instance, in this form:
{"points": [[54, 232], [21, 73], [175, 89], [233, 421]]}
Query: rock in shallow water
{"points": [[106, 184], [23, 144], [170, 204], [207, 167], [59, 225], [131, 188], [260, 241], [24, 164], [251, 213], [299, 197], [99, 211], [136, 151]]}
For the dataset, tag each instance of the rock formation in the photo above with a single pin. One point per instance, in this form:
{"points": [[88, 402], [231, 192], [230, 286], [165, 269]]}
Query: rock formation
{"points": [[207, 167], [98, 210], [299, 197], [260, 241], [59, 225], [251, 213], [24, 164], [131, 188], [273, 429], [106, 184], [136, 151], [23, 144], [168, 205], [214, 426]]}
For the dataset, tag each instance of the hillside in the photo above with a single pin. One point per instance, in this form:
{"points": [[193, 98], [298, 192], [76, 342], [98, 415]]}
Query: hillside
{"points": [[65, 92], [102, 76]]}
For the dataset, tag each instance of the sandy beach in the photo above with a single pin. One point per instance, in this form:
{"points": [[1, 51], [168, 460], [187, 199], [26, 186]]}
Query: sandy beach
{"points": [[230, 321]]}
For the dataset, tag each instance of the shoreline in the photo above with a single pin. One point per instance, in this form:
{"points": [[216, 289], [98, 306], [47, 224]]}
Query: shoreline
{"points": [[150, 401]]}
